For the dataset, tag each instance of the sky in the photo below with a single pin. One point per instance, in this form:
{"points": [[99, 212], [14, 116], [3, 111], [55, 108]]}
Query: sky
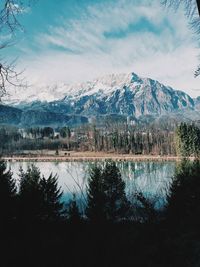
{"points": [[72, 41]]}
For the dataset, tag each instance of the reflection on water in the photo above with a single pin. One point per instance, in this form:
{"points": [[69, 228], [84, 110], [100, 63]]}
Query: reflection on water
{"points": [[152, 178]]}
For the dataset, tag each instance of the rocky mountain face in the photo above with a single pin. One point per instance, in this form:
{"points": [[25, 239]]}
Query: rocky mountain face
{"points": [[126, 95], [120, 94]]}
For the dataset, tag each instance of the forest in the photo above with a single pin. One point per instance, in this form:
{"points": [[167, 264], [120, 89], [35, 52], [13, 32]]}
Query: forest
{"points": [[107, 229], [182, 140]]}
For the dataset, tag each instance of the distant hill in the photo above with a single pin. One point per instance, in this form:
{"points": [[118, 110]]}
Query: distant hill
{"points": [[10, 115], [28, 118]]}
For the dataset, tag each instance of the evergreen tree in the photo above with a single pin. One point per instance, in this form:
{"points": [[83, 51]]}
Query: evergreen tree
{"points": [[30, 194], [51, 197], [106, 195], [7, 194], [184, 194], [95, 210], [188, 140], [40, 198], [117, 205]]}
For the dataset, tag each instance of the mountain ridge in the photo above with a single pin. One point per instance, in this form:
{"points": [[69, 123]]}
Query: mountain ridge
{"points": [[107, 84], [120, 94]]}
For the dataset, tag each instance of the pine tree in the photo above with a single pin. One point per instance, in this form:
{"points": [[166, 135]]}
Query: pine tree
{"points": [[51, 197], [95, 210], [106, 195], [40, 198], [117, 205], [7, 194], [30, 194]]}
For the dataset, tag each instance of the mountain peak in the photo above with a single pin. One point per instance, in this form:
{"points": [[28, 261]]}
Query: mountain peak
{"points": [[125, 93], [135, 76], [120, 94]]}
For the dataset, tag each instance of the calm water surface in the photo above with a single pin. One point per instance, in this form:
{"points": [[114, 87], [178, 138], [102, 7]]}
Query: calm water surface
{"points": [[152, 178]]}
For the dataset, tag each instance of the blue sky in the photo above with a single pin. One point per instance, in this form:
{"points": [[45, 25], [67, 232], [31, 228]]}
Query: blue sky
{"points": [[77, 40]]}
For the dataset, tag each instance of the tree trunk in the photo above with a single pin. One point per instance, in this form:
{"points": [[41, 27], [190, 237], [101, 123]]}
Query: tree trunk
{"points": [[198, 5]]}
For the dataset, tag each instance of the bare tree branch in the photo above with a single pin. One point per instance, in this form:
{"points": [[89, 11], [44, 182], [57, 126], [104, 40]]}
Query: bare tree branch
{"points": [[9, 26], [192, 11], [198, 5], [9, 77]]}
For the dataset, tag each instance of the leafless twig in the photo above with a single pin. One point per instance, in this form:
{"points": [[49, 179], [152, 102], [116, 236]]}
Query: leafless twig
{"points": [[192, 11], [9, 26]]}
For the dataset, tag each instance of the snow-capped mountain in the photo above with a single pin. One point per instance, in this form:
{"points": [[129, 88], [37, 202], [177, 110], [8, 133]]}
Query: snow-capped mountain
{"points": [[125, 94], [32, 93], [121, 94]]}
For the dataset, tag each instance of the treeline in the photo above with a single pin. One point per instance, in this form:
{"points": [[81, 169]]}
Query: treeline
{"points": [[13, 139], [133, 141], [120, 139], [38, 229]]}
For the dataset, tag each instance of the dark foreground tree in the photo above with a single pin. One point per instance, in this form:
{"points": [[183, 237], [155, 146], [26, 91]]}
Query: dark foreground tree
{"points": [[145, 208], [30, 195], [7, 194], [39, 198], [184, 194], [106, 195], [73, 213], [117, 205], [51, 197], [95, 210]]}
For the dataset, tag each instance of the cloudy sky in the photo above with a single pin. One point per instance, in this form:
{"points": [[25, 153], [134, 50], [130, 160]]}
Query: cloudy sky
{"points": [[77, 40]]}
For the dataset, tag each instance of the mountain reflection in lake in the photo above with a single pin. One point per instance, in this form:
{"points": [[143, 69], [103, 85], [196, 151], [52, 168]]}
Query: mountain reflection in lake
{"points": [[152, 178]]}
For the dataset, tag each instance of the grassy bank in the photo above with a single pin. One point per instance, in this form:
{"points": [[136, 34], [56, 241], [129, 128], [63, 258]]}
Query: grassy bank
{"points": [[48, 156]]}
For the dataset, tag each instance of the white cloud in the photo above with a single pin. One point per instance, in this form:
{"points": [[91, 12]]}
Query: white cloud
{"points": [[85, 52]]}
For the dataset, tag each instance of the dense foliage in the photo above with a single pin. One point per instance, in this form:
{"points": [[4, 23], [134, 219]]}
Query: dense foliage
{"points": [[184, 194], [106, 195], [188, 140], [38, 229], [39, 198], [7, 194]]}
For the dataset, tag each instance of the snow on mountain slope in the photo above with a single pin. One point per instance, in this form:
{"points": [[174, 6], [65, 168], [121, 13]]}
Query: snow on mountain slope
{"points": [[125, 94], [35, 93], [103, 85]]}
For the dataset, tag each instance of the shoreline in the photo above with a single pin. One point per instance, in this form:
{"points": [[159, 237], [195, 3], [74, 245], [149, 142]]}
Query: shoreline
{"points": [[81, 157]]}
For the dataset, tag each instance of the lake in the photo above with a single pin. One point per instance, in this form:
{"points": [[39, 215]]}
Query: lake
{"points": [[152, 178]]}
